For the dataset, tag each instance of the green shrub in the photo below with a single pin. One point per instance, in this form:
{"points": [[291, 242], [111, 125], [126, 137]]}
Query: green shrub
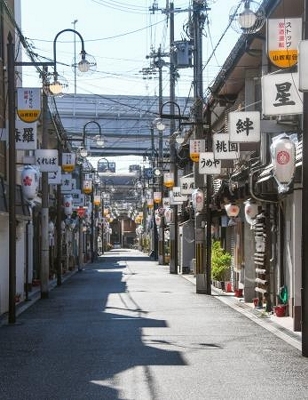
{"points": [[221, 262]]}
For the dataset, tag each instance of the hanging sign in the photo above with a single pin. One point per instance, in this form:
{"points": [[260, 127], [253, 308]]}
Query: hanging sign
{"points": [[47, 160], [195, 148], [224, 149], [97, 200], [208, 164], [29, 104], [157, 197], [168, 179], [187, 185], [244, 127], [280, 94], [25, 135], [87, 186], [68, 162], [66, 183], [54, 177], [283, 36], [166, 202], [76, 197], [176, 196]]}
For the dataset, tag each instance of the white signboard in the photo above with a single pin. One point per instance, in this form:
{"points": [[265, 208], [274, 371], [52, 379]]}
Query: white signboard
{"points": [[208, 164], [54, 177], [25, 135], [187, 185], [66, 183], [196, 146], [280, 94], [47, 160], [166, 202], [283, 35], [176, 196], [244, 127], [28, 104], [224, 149], [77, 198]]}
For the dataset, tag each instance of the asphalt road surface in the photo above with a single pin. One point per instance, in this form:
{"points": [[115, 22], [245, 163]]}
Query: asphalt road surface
{"points": [[125, 328]]}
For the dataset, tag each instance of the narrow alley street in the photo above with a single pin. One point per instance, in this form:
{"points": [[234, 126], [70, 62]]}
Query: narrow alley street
{"points": [[125, 328]]}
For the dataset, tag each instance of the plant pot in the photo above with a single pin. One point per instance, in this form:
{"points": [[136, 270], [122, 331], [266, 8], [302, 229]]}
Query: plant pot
{"points": [[280, 310], [256, 301], [238, 292]]}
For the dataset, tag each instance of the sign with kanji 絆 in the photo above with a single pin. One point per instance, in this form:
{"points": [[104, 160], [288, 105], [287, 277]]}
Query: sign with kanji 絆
{"points": [[244, 126], [29, 104], [224, 149], [47, 160], [283, 36], [208, 164], [280, 94], [25, 135]]}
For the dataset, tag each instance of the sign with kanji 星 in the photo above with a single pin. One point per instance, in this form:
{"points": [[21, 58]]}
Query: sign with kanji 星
{"points": [[187, 185], [244, 127], [224, 149], [29, 104], [25, 135], [280, 94], [283, 36], [208, 164], [47, 160], [195, 148]]}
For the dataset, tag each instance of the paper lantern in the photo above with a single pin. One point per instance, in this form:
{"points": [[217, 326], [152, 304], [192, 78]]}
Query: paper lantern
{"points": [[232, 210], [251, 211], [157, 197], [68, 205], [197, 200], [283, 160], [169, 179], [87, 186], [29, 182]]}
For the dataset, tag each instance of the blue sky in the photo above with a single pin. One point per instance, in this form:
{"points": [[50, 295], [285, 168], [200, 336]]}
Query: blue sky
{"points": [[119, 34]]}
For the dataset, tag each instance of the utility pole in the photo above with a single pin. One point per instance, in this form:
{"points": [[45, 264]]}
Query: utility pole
{"points": [[173, 166], [44, 273], [75, 66], [202, 282]]}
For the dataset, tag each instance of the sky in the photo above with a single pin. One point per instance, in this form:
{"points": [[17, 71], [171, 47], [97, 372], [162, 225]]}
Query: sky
{"points": [[120, 35]]}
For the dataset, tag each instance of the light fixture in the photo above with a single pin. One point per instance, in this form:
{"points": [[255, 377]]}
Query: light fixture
{"points": [[232, 210], [247, 17], [283, 160], [158, 123], [251, 211]]}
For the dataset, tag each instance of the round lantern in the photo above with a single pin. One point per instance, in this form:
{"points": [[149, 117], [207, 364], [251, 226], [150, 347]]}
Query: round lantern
{"points": [[157, 218], [232, 210], [150, 203], [251, 211], [68, 162], [97, 200], [197, 200], [29, 182], [68, 205], [283, 160]]}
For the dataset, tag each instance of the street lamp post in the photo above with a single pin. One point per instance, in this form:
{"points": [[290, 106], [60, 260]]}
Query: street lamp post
{"points": [[84, 65]]}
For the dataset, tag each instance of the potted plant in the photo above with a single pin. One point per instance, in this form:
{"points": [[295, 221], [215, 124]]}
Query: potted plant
{"points": [[221, 263]]}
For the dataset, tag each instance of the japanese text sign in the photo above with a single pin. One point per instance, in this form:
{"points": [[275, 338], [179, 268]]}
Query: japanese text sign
{"points": [[224, 149], [283, 36], [29, 104], [47, 160], [176, 196], [54, 177], [280, 94], [25, 135], [66, 183], [195, 148], [187, 185], [244, 126], [208, 164]]}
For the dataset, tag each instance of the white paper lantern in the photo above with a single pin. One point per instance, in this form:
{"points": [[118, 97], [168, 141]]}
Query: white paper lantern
{"points": [[251, 211], [68, 205], [29, 182], [232, 210], [168, 215], [283, 160], [197, 200]]}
